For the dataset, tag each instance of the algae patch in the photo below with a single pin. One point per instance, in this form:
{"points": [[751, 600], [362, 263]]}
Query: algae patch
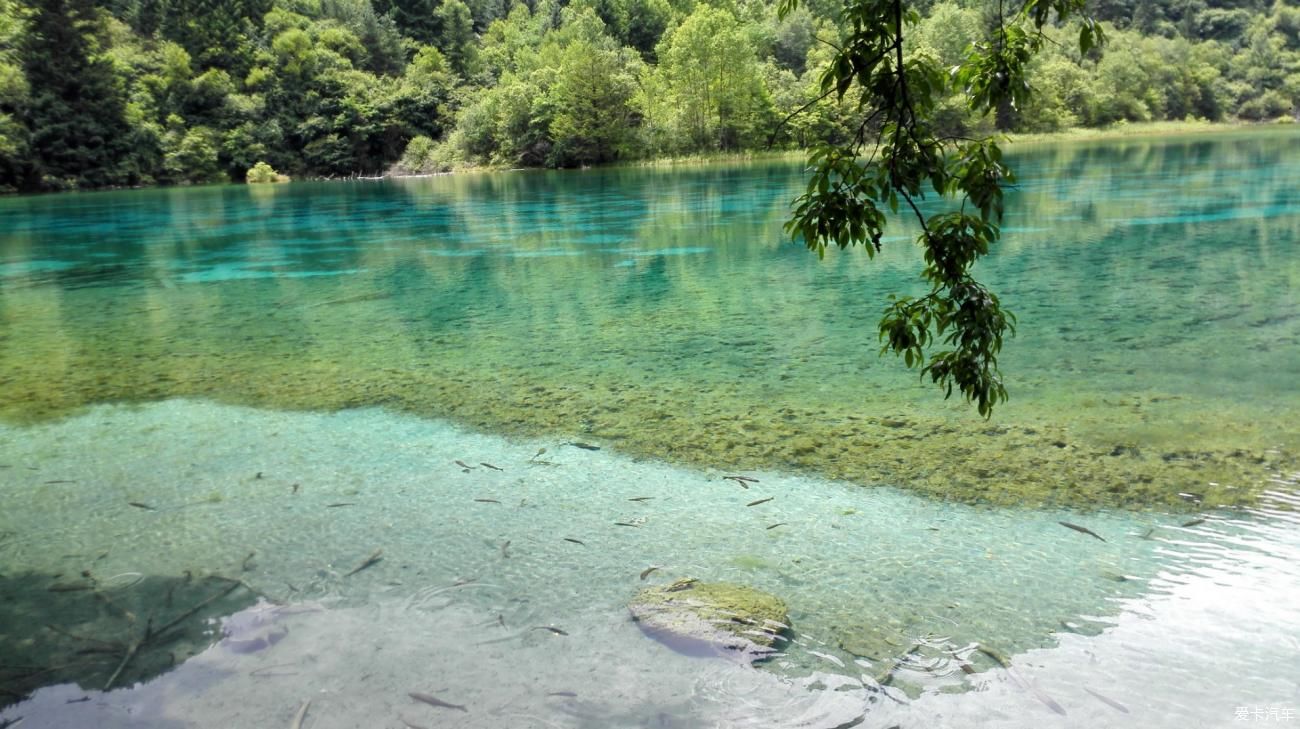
{"points": [[711, 618], [251, 343]]}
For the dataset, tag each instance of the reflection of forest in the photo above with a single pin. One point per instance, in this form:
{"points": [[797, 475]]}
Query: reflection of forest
{"points": [[109, 633], [666, 314]]}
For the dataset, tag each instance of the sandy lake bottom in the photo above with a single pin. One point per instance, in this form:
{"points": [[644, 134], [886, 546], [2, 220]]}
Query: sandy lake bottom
{"points": [[889, 593]]}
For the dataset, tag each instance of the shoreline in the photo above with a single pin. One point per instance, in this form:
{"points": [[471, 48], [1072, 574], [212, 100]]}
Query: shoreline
{"points": [[1121, 131]]}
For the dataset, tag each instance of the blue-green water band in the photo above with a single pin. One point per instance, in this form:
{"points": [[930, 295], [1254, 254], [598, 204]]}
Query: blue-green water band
{"points": [[661, 313]]}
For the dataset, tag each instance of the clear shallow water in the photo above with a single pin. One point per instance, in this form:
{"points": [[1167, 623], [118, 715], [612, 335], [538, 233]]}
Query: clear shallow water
{"points": [[1177, 624], [661, 316]]}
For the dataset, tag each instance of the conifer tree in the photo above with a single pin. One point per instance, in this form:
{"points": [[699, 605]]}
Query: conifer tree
{"points": [[76, 112]]}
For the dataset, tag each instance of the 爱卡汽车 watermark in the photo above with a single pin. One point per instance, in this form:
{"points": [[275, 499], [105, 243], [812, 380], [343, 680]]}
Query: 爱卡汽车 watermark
{"points": [[1265, 713]]}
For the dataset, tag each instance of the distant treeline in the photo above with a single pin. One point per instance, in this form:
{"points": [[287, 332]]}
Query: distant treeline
{"points": [[131, 92]]}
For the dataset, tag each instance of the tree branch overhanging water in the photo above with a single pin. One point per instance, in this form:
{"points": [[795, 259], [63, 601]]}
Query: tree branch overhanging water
{"points": [[843, 202]]}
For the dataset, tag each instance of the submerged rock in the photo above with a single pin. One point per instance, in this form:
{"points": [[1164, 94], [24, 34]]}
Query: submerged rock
{"points": [[711, 618]]}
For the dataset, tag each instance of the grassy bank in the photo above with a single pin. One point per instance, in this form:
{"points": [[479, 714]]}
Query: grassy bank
{"points": [[1125, 130]]}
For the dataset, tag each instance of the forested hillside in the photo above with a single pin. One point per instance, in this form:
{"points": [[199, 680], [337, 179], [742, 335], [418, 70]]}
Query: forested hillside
{"points": [[130, 92]]}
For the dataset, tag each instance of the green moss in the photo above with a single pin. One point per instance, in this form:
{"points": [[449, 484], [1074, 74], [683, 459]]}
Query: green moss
{"points": [[683, 606], [250, 347]]}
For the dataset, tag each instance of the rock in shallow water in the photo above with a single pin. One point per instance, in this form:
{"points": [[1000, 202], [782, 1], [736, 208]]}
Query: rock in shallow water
{"points": [[711, 618]]}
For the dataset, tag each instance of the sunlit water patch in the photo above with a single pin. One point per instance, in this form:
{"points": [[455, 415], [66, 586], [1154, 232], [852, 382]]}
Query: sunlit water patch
{"points": [[896, 601]]}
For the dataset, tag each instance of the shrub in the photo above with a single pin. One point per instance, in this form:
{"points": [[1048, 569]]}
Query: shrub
{"points": [[262, 172], [424, 156], [1269, 105]]}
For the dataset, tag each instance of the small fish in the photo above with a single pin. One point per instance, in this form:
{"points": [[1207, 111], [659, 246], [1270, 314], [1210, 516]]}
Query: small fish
{"points": [[375, 558], [566, 694], [575, 541], [257, 476], [741, 479], [487, 501], [60, 481], [435, 701], [1048, 701], [683, 584], [779, 523], [295, 488], [71, 586], [501, 620], [302, 714], [1081, 530], [408, 724], [377, 296], [828, 657], [646, 572], [244, 566], [627, 524], [640, 498], [489, 465], [81, 700], [139, 505], [1192, 523], [584, 446], [557, 631], [1117, 706], [995, 654], [341, 503], [464, 465], [505, 549], [966, 668], [539, 452], [760, 501]]}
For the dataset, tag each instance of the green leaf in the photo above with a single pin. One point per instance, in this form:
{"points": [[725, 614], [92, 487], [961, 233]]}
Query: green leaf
{"points": [[898, 152]]}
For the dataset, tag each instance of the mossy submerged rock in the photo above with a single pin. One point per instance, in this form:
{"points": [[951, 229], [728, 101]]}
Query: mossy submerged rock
{"points": [[711, 618]]}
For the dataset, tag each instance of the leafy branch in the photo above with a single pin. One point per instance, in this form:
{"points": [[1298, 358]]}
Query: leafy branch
{"points": [[851, 184]]}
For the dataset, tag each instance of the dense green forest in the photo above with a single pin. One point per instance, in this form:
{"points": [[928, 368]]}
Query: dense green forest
{"points": [[97, 93]]}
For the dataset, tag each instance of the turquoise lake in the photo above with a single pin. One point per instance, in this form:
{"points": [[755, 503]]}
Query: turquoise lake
{"points": [[340, 443]]}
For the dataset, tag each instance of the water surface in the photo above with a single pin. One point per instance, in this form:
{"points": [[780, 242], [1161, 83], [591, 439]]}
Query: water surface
{"points": [[1155, 285], [263, 386]]}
